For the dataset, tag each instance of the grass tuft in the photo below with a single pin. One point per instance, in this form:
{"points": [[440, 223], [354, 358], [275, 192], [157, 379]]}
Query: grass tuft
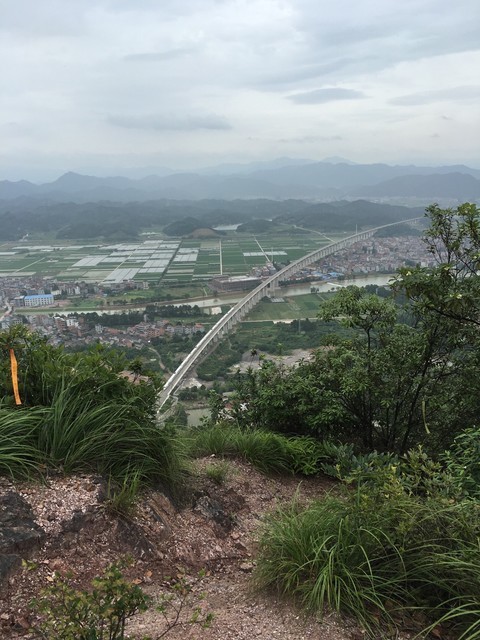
{"points": [[218, 472], [269, 452], [376, 554], [19, 458]]}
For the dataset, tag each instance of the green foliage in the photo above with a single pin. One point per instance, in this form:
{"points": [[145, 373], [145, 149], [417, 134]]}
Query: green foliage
{"points": [[114, 438], [451, 288], [272, 338], [215, 365], [121, 496], [388, 386], [275, 397], [269, 452], [394, 542], [462, 461], [360, 310], [389, 383], [173, 603], [177, 417], [19, 457], [218, 472], [80, 415], [101, 612], [342, 461], [43, 370]]}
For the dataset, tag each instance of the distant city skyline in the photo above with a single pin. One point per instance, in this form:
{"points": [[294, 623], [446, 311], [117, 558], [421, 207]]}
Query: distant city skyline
{"points": [[124, 87]]}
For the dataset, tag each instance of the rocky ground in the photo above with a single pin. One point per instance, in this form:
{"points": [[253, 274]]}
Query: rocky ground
{"points": [[64, 527]]}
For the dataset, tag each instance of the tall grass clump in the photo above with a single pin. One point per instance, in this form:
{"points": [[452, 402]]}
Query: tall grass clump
{"points": [[19, 457], [269, 452], [378, 551], [115, 438], [80, 414]]}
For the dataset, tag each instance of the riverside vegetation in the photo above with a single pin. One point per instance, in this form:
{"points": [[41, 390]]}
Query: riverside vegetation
{"points": [[388, 406]]}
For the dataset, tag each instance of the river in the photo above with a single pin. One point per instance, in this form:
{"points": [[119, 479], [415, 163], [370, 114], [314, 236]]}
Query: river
{"points": [[299, 289]]}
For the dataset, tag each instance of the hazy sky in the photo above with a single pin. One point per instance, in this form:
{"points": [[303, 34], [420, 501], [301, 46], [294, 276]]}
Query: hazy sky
{"points": [[102, 86]]}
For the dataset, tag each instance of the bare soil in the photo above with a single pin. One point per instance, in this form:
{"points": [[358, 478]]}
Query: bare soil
{"points": [[216, 532]]}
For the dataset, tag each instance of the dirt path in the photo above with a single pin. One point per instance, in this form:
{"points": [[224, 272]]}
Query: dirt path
{"points": [[216, 533]]}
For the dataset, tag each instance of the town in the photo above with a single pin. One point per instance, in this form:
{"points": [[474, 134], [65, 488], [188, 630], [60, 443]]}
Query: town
{"points": [[40, 302]]}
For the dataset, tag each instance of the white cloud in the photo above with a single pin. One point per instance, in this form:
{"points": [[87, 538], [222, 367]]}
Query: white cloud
{"points": [[452, 94]]}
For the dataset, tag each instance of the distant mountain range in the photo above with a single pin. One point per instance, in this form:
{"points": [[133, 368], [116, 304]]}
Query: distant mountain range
{"points": [[281, 179], [457, 185]]}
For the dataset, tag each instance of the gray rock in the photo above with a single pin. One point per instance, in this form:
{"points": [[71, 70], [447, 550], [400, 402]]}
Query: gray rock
{"points": [[19, 533]]}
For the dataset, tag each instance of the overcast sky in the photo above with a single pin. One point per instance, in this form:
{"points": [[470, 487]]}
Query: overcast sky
{"points": [[107, 86]]}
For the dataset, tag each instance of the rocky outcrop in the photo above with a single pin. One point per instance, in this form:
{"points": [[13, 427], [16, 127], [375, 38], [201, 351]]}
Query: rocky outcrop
{"points": [[19, 533]]}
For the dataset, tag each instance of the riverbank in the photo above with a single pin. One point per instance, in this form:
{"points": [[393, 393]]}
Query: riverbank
{"points": [[209, 303]]}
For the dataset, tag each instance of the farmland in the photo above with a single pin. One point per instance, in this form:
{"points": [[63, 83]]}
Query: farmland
{"points": [[166, 261]]}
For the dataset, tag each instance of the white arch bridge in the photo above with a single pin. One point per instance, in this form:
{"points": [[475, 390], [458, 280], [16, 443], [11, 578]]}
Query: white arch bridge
{"points": [[242, 308]]}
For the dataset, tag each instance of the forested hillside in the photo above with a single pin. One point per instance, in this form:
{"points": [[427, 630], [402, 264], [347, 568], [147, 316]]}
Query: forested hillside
{"points": [[392, 411], [105, 220]]}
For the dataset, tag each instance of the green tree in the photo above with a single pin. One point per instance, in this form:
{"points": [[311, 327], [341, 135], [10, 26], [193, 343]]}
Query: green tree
{"points": [[450, 288], [275, 397], [387, 386]]}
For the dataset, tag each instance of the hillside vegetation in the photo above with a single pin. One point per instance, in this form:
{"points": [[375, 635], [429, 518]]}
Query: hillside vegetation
{"points": [[79, 414], [118, 221]]}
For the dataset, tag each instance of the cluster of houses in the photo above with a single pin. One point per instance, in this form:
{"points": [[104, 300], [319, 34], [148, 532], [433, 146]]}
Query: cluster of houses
{"points": [[381, 255], [76, 330], [36, 291]]}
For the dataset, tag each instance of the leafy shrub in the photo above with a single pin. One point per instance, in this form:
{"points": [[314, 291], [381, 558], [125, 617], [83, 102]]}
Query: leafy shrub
{"points": [[101, 613], [462, 461], [341, 461]]}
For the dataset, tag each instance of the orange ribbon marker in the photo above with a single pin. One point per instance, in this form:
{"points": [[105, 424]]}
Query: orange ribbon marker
{"points": [[14, 368]]}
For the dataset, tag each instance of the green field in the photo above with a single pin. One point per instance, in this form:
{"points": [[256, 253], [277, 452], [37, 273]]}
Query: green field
{"points": [[165, 261], [294, 307]]}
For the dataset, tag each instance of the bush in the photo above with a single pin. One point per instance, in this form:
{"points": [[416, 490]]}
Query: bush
{"points": [[101, 613], [341, 461], [462, 460]]}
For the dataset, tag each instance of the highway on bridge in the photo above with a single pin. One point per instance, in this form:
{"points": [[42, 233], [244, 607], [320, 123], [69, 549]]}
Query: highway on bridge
{"points": [[242, 308]]}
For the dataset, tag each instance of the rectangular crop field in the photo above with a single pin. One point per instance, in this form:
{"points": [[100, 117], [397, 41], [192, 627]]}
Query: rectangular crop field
{"points": [[164, 261]]}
